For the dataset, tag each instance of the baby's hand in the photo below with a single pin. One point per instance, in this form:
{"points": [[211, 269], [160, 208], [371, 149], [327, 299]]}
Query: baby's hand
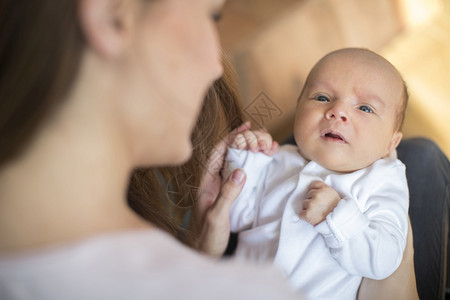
{"points": [[321, 200], [255, 141]]}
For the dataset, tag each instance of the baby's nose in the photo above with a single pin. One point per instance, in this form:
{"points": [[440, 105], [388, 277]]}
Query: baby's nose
{"points": [[337, 112]]}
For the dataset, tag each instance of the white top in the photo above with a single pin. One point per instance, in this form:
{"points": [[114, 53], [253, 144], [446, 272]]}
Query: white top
{"points": [[142, 264], [364, 236]]}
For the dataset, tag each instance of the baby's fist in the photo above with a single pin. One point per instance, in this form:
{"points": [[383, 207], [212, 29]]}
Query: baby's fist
{"points": [[255, 141], [321, 200]]}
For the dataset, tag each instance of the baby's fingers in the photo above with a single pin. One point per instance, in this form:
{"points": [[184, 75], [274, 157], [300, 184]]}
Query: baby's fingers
{"points": [[274, 149], [239, 142], [251, 140], [306, 213], [246, 140], [264, 140], [229, 140], [317, 184], [255, 141]]}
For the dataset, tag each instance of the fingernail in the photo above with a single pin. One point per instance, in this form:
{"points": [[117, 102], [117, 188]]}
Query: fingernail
{"points": [[263, 145], [238, 176]]}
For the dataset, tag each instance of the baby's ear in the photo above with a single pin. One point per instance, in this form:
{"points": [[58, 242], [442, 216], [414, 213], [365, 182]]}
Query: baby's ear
{"points": [[396, 138]]}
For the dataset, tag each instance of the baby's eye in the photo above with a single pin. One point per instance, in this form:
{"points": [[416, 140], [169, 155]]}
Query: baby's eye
{"points": [[366, 109], [322, 98]]}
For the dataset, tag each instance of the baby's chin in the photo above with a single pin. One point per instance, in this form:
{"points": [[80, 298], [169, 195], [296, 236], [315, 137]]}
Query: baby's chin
{"points": [[342, 167], [333, 164]]}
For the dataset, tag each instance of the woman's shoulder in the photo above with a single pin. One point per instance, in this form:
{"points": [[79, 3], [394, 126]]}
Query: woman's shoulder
{"points": [[133, 265]]}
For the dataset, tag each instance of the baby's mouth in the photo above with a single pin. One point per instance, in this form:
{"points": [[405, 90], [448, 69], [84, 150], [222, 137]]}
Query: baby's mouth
{"points": [[334, 136]]}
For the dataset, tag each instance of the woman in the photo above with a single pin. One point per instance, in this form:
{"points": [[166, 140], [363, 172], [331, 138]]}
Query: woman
{"points": [[90, 90]]}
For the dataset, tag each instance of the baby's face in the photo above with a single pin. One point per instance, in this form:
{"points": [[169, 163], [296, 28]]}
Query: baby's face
{"points": [[346, 115]]}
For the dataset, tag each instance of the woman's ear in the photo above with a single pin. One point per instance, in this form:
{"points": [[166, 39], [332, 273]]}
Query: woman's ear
{"points": [[106, 25]]}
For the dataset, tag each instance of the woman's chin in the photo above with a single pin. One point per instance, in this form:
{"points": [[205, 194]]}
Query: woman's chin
{"points": [[184, 158], [172, 154], [181, 155]]}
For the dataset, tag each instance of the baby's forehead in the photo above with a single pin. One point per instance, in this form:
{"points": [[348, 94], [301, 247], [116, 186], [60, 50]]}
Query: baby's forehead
{"points": [[365, 63]]}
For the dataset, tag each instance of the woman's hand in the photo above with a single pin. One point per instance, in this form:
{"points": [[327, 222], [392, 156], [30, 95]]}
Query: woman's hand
{"points": [[210, 221], [214, 229]]}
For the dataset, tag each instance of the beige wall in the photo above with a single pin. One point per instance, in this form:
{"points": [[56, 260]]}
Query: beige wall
{"points": [[273, 44]]}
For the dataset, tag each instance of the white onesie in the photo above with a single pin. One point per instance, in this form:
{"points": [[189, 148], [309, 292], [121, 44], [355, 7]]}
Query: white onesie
{"points": [[364, 236]]}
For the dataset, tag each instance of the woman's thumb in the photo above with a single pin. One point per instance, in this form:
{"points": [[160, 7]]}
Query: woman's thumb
{"points": [[230, 191]]}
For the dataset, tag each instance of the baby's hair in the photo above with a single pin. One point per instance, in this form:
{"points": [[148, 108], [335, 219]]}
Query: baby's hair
{"points": [[401, 113]]}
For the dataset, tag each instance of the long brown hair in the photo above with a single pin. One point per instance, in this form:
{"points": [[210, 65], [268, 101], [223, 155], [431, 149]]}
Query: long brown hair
{"points": [[164, 196], [40, 51]]}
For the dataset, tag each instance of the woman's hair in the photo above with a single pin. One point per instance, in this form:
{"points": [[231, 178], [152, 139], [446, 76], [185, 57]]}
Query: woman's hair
{"points": [[40, 51], [41, 47], [164, 196]]}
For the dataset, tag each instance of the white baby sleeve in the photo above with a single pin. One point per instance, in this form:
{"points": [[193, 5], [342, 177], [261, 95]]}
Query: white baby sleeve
{"points": [[369, 241]]}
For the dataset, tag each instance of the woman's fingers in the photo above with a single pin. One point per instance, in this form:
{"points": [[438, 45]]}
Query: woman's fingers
{"points": [[243, 127], [229, 192], [210, 216], [211, 179], [216, 225], [232, 135]]}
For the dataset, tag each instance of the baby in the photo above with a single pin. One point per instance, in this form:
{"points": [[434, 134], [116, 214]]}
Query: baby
{"points": [[333, 209]]}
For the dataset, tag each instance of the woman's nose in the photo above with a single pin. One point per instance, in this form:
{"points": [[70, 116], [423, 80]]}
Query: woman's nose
{"points": [[337, 112]]}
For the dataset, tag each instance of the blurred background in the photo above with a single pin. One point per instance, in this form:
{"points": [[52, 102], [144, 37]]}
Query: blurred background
{"points": [[274, 44]]}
